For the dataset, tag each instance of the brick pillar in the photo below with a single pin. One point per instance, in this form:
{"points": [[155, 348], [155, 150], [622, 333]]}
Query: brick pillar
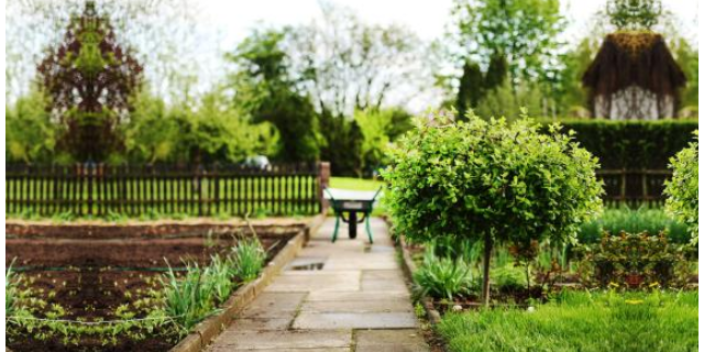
{"points": [[323, 182]]}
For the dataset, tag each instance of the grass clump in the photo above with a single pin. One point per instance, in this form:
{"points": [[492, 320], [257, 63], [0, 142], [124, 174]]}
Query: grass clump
{"points": [[652, 221], [198, 293], [442, 278]]}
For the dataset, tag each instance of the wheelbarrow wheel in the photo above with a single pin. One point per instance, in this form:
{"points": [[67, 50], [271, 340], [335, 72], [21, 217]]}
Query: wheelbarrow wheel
{"points": [[353, 235]]}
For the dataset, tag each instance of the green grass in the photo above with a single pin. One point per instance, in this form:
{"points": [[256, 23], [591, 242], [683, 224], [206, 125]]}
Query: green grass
{"points": [[633, 322], [357, 184]]}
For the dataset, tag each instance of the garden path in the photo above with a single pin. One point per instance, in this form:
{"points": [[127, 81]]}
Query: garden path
{"points": [[357, 301]]}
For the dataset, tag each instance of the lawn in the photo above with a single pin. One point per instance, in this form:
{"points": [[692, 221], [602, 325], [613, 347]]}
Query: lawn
{"points": [[357, 184], [581, 321]]}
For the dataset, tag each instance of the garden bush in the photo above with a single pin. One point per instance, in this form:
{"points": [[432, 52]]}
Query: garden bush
{"points": [[683, 201], [489, 181]]}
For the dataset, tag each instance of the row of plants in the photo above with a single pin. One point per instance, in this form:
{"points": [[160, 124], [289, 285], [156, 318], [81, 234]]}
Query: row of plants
{"points": [[173, 304]]}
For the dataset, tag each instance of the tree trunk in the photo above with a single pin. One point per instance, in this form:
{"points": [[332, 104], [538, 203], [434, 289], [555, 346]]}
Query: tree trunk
{"points": [[488, 244]]}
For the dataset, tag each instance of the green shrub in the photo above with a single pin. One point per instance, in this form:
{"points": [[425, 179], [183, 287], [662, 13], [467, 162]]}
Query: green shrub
{"points": [[442, 278], [490, 181], [683, 201], [632, 144]]}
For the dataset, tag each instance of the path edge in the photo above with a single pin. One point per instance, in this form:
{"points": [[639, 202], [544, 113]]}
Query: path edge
{"points": [[206, 331]]}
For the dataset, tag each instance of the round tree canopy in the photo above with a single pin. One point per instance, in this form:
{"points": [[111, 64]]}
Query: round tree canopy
{"points": [[637, 69]]}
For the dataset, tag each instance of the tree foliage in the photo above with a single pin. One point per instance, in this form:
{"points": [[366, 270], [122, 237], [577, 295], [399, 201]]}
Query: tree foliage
{"points": [[634, 14], [490, 180], [90, 78], [524, 32], [683, 189], [30, 133], [211, 131], [265, 90]]}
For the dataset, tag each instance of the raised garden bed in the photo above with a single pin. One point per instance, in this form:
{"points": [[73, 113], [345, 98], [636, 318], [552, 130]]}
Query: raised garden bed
{"points": [[90, 272]]}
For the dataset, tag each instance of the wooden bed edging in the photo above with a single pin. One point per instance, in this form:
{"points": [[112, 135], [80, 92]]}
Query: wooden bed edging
{"points": [[206, 331]]}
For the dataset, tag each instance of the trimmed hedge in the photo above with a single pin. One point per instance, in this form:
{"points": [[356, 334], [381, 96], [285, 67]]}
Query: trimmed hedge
{"points": [[632, 144]]}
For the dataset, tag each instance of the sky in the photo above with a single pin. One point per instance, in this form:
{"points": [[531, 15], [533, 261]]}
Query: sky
{"points": [[234, 19], [222, 24]]}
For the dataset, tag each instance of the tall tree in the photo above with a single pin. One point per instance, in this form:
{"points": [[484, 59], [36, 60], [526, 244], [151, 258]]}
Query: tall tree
{"points": [[90, 78], [265, 89], [345, 64], [525, 32]]}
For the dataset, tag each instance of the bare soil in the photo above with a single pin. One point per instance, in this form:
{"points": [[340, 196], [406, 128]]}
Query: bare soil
{"points": [[92, 271]]}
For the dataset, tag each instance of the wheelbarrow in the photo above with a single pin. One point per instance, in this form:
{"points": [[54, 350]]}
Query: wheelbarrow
{"points": [[352, 203]]}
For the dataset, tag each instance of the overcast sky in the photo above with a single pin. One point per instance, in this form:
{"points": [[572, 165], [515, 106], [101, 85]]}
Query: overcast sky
{"points": [[233, 19]]}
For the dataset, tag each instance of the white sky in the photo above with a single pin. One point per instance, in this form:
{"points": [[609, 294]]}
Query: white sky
{"points": [[427, 18]]}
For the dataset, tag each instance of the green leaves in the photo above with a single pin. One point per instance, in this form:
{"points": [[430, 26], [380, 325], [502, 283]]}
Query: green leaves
{"points": [[683, 201], [469, 178], [442, 277]]}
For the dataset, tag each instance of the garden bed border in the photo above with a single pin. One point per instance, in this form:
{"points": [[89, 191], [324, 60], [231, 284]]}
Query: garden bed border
{"points": [[207, 330], [409, 268]]}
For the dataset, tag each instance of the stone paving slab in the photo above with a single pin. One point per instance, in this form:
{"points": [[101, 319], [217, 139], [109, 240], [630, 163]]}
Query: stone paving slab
{"points": [[327, 321], [278, 340], [358, 301], [341, 306]]}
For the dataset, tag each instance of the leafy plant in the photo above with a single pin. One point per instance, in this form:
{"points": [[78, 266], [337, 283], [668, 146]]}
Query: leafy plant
{"points": [[683, 201], [442, 277], [248, 257], [490, 181], [11, 282], [187, 300]]}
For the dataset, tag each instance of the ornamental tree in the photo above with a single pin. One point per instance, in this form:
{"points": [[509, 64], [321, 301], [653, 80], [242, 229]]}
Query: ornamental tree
{"points": [[683, 201], [490, 181], [90, 79]]}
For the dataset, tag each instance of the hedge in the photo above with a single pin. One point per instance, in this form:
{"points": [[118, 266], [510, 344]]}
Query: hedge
{"points": [[632, 144]]}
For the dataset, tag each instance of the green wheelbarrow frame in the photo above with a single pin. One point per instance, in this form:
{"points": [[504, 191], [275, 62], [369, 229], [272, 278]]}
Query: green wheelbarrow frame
{"points": [[340, 206]]}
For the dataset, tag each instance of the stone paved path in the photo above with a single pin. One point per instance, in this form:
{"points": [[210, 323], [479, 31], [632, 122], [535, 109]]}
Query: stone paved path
{"points": [[358, 301]]}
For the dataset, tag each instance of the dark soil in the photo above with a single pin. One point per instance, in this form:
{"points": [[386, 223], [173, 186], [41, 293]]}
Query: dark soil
{"points": [[504, 298], [91, 278]]}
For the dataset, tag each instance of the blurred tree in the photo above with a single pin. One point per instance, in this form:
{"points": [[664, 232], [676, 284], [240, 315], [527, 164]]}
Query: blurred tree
{"points": [[215, 132], [90, 78], [523, 32], [152, 133], [265, 90], [573, 97], [634, 14], [379, 128], [163, 33], [30, 133], [345, 65]]}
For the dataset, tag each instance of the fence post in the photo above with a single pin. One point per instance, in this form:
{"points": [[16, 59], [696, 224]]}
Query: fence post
{"points": [[323, 182]]}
